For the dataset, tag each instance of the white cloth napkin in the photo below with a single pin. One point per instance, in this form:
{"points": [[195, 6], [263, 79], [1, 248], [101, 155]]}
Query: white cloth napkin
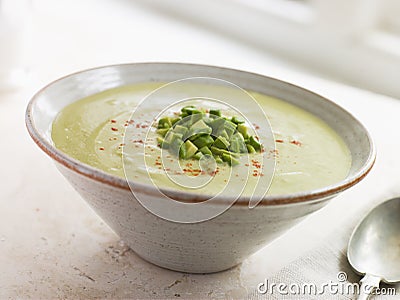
{"points": [[328, 262]]}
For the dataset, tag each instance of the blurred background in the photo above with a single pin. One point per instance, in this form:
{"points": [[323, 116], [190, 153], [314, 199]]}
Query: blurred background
{"points": [[356, 42]]}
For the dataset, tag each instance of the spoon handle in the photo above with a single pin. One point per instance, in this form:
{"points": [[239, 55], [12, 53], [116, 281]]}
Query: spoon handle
{"points": [[368, 284]]}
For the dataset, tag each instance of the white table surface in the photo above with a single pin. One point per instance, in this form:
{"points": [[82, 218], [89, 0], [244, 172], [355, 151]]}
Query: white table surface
{"points": [[52, 245]]}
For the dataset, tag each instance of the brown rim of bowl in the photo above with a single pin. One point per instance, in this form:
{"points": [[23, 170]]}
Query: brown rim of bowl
{"points": [[273, 200]]}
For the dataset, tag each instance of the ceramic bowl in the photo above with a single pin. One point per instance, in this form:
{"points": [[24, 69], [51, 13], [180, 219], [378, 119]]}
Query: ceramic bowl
{"points": [[209, 246]]}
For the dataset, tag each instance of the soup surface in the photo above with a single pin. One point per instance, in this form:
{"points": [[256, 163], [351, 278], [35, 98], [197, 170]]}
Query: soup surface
{"points": [[309, 154]]}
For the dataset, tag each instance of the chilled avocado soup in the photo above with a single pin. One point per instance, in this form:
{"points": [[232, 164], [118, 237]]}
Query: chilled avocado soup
{"points": [[309, 154]]}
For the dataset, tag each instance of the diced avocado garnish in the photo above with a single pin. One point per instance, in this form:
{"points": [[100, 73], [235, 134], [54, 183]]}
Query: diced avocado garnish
{"points": [[198, 155], [161, 142], [188, 109], [203, 140], [223, 134], [238, 144], [195, 117], [180, 129], [197, 129], [201, 127], [175, 145], [238, 136], [175, 120], [165, 122], [235, 146], [250, 149], [221, 143], [188, 149], [195, 133], [253, 142], [243, 130], [171, 136], [215, 112], [162, 131], [230, 159], [218, 151], [218, 160], [217, 124], [205, 150], [237, 120]]}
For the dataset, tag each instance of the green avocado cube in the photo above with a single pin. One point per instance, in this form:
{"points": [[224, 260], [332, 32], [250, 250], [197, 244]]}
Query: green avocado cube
{"points": [[237, 120], [180, 129], [221, 143], [188, 109], [198, 128], [161, 142], [216, 125], [164, 123], [215, 112], [235, 146], [171, 136], [205, 150], [230, 159], [253, 142], [187, 150], [198, 155], [203, 140], [243, 130], [175, 120], [218, 160], [162, 131], [229, 128], [250, 149]]}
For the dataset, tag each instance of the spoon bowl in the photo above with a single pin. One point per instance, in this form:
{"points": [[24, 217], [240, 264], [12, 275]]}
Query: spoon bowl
{"points": [[374, 247]]}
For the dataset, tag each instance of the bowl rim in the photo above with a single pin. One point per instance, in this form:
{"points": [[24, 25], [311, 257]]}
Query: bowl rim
{"points": [[309, 197]]}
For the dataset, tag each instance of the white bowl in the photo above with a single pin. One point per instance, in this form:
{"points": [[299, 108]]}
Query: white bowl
{"points": [[209, 246]]}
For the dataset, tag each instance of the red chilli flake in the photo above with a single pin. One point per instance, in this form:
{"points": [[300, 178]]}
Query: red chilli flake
{"points": [[101, 148], [256, 163], [113, 121], [114, 129], [279, 141], [297, 143], [193, 172]]}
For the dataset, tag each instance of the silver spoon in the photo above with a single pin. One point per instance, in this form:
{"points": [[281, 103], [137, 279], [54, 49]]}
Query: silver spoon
{"points": [[374, 247]]}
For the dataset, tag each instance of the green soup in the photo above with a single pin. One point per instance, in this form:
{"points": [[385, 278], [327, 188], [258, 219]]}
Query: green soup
{"points": [[309, 154]]}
